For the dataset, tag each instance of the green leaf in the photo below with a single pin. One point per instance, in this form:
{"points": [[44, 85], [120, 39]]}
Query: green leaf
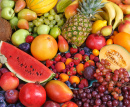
{"points": [[61, 5]]}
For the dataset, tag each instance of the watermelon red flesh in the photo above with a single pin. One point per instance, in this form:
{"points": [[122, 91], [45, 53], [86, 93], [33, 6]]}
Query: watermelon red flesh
{"points": [[24, 65]]}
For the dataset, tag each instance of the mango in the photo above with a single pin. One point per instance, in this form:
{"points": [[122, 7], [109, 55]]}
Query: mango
{"points": [[27, 14], [58, 91]]}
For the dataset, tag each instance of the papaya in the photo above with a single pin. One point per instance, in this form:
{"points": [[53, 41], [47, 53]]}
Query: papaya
{"points": [[117, 55]]}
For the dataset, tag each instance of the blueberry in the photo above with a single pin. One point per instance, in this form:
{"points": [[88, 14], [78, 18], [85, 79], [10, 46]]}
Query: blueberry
{"points": [[3, 104], [86, 49], [88, 53], [19, 105], [25, 47], [11, 105], [2, 97], [68, 83]]}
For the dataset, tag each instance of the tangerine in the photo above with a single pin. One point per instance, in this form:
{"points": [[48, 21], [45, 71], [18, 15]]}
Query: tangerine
{"points": [[44, 47]]}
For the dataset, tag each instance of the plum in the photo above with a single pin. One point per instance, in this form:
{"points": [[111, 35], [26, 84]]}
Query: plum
{"points": [[51, 104], [25, 47], [89, 72], [11, 96]]}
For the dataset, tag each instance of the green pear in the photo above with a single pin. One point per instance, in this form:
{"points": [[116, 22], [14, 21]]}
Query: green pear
{"points": [[19, 37], [27, 14]]}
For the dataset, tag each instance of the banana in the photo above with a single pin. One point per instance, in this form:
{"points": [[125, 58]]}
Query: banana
{"points": [[97, 17], [103, 14], [119, 15], [108, 7]]}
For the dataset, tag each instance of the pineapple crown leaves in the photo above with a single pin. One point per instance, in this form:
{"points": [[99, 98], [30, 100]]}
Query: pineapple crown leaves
{"points": [[89, 7]]}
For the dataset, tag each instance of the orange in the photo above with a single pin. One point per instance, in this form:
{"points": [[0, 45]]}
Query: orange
{"points": [[63, 77], [109, 41], [80, 68], [74, 79], [123, 39], [95, 52], [44, 47]]}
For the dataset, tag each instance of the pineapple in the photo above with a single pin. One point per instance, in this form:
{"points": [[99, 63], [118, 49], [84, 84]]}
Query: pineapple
{"points": [[78, 27]]}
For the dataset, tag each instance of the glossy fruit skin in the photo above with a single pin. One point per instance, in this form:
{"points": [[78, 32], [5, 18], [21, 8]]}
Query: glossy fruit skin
{"points": [[61, 92], [69, 104], [41, 7], [7, 79], [44, 47], [51, 104], [95, 41], [32, 95], [123, 39]]}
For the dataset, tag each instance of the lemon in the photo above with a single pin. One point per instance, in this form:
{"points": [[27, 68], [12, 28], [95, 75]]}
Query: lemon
{"points": [[97, 25]]}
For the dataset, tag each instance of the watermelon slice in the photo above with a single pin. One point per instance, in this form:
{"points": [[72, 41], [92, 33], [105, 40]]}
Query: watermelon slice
{"points": [[24, 66]]}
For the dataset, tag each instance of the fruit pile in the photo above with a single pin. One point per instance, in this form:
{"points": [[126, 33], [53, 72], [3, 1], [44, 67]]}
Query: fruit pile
{"points": [[64, 53]]}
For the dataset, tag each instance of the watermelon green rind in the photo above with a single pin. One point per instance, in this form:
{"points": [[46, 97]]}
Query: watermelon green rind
{"points": [[24, 66]]}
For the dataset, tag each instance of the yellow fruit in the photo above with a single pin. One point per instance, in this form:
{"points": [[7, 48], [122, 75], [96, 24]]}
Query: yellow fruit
{"points": [[41, 6], [97, 25]]}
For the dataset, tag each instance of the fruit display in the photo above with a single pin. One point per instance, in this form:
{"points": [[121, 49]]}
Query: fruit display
{"points": [[64, 53]]}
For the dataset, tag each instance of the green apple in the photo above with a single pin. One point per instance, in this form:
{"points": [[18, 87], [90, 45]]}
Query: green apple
{"points": [[7, 13], [55, 32], [7, 3], [43, 29], [14, 22], [19, 37]]}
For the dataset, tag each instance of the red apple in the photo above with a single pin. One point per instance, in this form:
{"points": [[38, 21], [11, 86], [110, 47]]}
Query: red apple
{"points": [[124, 26], [51, 104], [9, 81], [127, 17], [69, 104], [95, 41]]}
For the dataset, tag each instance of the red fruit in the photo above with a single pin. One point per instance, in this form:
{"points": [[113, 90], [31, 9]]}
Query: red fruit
{"points": [[20, 86], [71, 64], [58, 57], [29, 39], [73, 69], [94, 41], [76, 61], [84, 82], [85, 57], [81, 86], [82, 52], [73, 49], [86, 64], [62, 44], [63, 59], [69, 73], [91, 57], [32, 95], [67, 55], [49, 62], [51, 104], [11, 96], [69, 104], [78, 55]]}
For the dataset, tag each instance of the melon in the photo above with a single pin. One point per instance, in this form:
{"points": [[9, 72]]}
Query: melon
{"points": [[117, 55], [24, 66]]}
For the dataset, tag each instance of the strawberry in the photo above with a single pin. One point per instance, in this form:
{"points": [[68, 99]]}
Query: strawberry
{"points": [[73, 49], [69, 73], [76, 61], [49, 62], [91, 57], [84, 82], [29, 39], [73, 69], [85, 57], [86, 64], [58, 57]]}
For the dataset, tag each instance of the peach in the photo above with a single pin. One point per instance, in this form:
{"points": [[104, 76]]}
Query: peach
{"points": [[59, 66]]}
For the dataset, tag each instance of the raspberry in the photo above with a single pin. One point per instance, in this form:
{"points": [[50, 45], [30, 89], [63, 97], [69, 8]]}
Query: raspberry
{"points": [[82, 52], [96, 59], [54, 62], [81, 86], [63, 59], [67, 55], [54, 70], [64, 71], [52, 67], [67, 69], [67, 66], [71, 64]]}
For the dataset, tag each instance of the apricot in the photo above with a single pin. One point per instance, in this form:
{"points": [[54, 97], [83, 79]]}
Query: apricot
{"points": [[59, 66]]}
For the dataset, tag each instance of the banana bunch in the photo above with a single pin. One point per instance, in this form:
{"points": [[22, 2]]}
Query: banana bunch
{"points": [[112, 13]]}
